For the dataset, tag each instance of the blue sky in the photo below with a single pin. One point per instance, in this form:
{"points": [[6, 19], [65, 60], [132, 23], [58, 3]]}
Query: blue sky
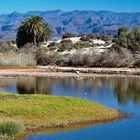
{"points": [[7, 6]]}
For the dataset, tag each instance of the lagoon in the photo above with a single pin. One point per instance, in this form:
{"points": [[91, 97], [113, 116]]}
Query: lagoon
{"points": [[117, 93]]}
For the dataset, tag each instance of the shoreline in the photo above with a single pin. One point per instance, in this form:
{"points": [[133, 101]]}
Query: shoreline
{"points": [[68, 126], [60, 72], [61, 113], [81, 123]]}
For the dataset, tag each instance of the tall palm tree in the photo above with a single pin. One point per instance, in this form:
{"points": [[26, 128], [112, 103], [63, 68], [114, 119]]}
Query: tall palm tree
{"points": [[33, 30]]}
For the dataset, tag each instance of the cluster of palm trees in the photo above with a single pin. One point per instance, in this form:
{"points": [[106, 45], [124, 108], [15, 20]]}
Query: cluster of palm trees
{"points": [[33, 30]]}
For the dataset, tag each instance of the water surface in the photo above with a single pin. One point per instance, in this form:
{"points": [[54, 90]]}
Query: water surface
{"points": [[118, 93]]}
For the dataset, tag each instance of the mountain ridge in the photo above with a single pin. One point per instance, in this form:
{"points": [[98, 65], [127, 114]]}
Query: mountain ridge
{"points": [[102, 22]]}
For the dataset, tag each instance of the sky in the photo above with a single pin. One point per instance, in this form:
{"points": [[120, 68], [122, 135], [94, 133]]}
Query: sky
{"points": [[8, 6]]}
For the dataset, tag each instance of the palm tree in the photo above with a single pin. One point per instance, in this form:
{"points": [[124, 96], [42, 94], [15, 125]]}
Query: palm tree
{"points": [[47, 32], [33, 30]]}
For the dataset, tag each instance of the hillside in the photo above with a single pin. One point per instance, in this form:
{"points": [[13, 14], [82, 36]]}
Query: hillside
{"points": [[74, 21]]}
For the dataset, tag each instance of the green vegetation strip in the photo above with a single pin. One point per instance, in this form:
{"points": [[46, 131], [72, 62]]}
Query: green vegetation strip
{"points": [[41, 111]]}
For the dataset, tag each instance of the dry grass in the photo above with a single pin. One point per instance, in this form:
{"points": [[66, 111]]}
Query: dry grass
{"points": [[17, 59]]}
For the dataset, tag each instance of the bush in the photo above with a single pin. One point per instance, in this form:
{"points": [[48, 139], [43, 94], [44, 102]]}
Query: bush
{"points": [[6, 46], [27, 48], [77, 59], [129, 40], [53, 46], [68, 45], [85, 38], [137, 60], [110, 58], [48, 58], [68, 35], [82, 44], [66, 41], [122, 30], [11, 128], [90, 35], [114, 58], [104, 37], [65, 45]]}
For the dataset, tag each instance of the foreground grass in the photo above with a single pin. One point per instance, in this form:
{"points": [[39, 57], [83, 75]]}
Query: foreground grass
{"points": [[41, 111], [11, 128]]}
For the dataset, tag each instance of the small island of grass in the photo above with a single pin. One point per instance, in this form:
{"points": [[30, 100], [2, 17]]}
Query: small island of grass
{"points": [[41, 111]]}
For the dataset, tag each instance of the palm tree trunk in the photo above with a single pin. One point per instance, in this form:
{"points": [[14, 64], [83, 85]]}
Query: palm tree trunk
{"points": [[44, 39], [35, 43]]}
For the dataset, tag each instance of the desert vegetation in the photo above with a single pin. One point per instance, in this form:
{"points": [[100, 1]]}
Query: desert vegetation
{"points": [[32, 47], [129, 39]]}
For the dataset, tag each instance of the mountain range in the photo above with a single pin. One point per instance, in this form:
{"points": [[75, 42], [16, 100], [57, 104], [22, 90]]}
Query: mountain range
{"points": [[101, 22]]}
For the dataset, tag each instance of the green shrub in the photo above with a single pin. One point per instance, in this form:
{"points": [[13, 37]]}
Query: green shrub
{"points": [[85, 38], [68, 35], [122, 30], [65, 45], [90, 35], [11, 128], [128, 39], [66, 41], [53, 46], [104, 37], [81, 44]]}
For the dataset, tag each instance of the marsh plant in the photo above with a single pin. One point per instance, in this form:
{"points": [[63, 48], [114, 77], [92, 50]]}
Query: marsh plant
{"points": [[11, 128]]}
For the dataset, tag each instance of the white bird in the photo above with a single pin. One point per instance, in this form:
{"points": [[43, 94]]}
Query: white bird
{"points": [[77, 72], [85, 95]]}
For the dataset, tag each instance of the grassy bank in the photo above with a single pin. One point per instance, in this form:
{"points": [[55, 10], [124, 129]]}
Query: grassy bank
{"points": [[40, 111]]}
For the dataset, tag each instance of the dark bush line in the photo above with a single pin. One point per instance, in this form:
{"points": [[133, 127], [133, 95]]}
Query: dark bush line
{"points": [[111, 58]]}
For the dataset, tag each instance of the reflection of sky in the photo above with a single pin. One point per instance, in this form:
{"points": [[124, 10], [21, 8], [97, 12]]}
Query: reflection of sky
{"points": [[9, 89], [101, 94], [122, 130]]}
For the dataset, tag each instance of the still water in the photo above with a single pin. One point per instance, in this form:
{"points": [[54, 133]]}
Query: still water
{"points": [[118, 93]]}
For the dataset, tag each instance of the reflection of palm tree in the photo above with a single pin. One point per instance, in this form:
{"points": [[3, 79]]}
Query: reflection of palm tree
{"points": [[124, 89], [26, 86], [35, 85], [120, 89], [127, 89], [44, 85]]}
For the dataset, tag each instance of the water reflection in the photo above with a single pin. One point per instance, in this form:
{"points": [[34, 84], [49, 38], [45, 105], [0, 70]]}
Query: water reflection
{"points": [[124, 89], [34, 86]]}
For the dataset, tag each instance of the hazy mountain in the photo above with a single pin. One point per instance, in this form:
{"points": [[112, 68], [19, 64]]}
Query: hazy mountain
{"points": [[74, 21]]}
